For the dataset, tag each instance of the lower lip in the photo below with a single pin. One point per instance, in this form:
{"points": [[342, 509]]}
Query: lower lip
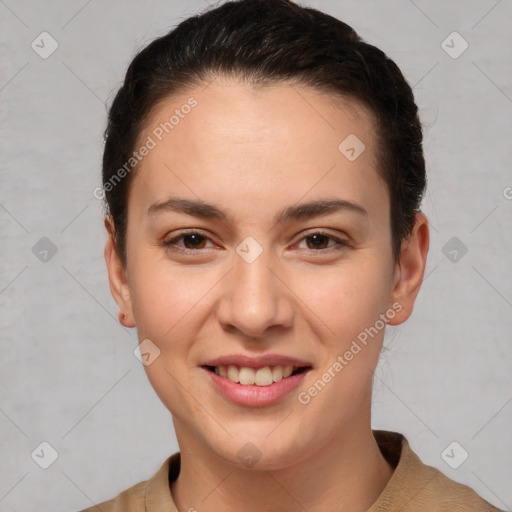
{"points": [[252, 395]]}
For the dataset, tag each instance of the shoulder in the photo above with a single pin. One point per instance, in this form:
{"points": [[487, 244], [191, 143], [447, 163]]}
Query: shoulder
{"points": [[450, 496], [417, 487], [130, 500], [150, 494]]}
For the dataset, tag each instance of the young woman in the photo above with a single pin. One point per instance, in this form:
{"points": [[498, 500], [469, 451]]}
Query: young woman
{"points": [[263, 174]]}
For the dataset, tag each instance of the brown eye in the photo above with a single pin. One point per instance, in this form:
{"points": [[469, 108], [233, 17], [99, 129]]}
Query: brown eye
{"points": [[196, 241], [192, 242], [318, 241]]}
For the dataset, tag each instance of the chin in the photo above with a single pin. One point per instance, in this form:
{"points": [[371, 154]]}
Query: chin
{"points": [[260, 452]]}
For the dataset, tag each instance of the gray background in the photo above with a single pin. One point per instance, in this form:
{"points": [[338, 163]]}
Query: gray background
{"points": [[68, 375]]}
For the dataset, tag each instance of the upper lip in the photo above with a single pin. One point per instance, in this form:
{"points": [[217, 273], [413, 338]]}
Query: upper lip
{"points": [[256, 361]]}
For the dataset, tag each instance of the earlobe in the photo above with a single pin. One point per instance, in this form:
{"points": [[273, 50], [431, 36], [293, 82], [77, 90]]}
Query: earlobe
{"points": [[410, 269], [117, 276]]}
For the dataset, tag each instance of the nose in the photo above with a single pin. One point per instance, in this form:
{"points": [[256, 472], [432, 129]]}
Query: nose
{"points": [[255, 298]]}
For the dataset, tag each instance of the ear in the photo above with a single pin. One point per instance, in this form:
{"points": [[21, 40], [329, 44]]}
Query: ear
{"points": [[117, 277], [410, 269]]}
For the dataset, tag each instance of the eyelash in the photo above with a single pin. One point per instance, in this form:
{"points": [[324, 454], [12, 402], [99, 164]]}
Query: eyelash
{"points": [[170, 244]]}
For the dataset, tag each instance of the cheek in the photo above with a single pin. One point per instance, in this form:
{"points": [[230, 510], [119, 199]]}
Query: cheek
{"points": [[164, 298], [338, 303], [345, 300], [347, 305], [168, 306]]}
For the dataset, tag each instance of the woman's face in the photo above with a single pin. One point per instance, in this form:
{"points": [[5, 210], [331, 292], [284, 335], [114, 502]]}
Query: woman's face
{"points": [[263, 284]]}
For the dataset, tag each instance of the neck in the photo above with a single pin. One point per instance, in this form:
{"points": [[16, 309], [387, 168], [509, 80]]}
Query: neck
{"points": [[346, 474]]}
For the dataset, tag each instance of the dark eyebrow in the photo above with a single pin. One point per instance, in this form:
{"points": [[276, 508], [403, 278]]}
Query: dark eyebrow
{"points": [[201, 209]]}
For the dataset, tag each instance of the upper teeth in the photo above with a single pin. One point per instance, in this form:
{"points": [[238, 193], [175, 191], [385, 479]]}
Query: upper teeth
{"points": [[261, 377]]}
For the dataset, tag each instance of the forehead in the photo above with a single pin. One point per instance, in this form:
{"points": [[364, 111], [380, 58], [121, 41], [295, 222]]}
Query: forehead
{"points": [[266, 144], [250, 112]]}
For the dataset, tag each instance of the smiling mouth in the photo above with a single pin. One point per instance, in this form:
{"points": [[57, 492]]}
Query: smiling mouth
{"points": [[264, 376]]}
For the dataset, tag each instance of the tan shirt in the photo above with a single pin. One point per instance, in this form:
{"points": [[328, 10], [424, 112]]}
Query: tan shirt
{"points": [[414, 486]]}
